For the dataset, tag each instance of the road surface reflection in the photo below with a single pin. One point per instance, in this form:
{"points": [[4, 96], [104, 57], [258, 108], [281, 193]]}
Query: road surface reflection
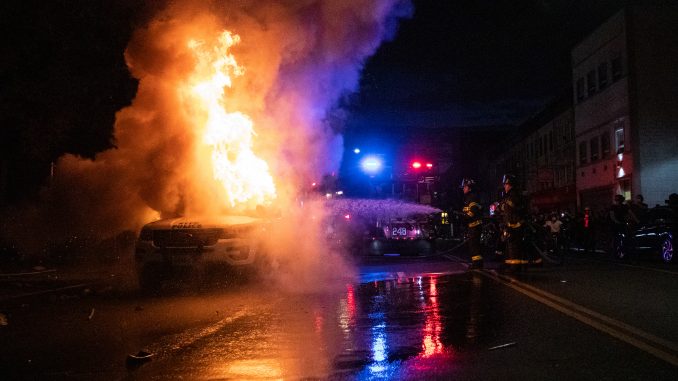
{"points": [[402, 328]]}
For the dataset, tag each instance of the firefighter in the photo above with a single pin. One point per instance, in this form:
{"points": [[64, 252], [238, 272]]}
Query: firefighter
{"points": [[472, 212], [513, 210], [622, 219]]}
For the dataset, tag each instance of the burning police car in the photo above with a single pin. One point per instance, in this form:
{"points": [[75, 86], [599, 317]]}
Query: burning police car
{"points": [[196, 243]]}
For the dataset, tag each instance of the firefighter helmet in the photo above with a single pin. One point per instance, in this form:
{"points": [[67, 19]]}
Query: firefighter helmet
{"points": [[509, 179], [466, 182]]}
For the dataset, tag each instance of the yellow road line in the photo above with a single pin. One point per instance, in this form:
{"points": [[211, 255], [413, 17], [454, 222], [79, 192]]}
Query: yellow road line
{"points": [[658, 347]]}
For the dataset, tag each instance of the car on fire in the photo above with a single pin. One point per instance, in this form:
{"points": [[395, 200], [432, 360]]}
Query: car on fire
{"points": [[197, 244], [655, 235]]}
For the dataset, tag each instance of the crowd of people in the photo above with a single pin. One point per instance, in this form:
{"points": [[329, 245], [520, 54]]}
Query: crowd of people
{"points": [[590, 230]]}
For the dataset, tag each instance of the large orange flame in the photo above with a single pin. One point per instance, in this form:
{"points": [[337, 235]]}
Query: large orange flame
{"points": [[244, 176]]}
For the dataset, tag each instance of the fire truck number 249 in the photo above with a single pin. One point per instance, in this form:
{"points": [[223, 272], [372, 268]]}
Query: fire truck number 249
{"points": [[399, 231]]}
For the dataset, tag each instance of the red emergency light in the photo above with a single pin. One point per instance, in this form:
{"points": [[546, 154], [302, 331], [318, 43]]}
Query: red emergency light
{"points": [[416, 165]]}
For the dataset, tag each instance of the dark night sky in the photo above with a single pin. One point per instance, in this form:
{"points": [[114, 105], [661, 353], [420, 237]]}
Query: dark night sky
{"points": [[454, 63], [475, 62]]}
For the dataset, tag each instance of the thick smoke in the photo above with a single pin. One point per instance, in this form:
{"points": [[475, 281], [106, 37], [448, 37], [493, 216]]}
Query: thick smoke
{"points": [[299, 59]]}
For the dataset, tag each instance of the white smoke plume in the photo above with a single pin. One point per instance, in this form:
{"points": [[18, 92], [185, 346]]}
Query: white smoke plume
{"points": [[299, 58]]}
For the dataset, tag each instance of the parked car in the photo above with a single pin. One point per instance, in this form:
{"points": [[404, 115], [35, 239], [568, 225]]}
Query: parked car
{"points": [[196, 244], [655, 235]]}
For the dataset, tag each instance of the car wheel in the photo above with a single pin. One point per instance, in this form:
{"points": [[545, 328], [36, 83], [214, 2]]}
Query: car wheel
{"points": [[667, 249], [618, 247]]}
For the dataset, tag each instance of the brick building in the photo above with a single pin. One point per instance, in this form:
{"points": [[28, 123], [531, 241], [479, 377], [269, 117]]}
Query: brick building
{"points": [[542, 158], [549, 160]]}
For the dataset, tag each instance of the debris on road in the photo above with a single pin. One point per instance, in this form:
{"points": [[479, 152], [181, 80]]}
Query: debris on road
{"points": [[502, 346], [38, 270], [138, 359], [91, 314], [3, 320]]}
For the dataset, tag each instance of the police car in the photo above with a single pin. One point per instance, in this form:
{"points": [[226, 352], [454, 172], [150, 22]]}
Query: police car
{"points": [[196, 243]]}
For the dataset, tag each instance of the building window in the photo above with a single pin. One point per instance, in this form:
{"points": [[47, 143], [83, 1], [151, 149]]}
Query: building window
{"points": [[594, 149], [534, 149], [619, 139], [582, 153], [616, 68], [605, 144], [580, 90], [551, 141], [602, 75], [591, 82]]}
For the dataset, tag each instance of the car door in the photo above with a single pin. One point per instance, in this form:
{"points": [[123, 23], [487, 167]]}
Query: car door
{"points": [[650, 235]]}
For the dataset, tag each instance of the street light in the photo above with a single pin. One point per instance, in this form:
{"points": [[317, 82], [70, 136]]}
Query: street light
{"points": [[356, 150]]}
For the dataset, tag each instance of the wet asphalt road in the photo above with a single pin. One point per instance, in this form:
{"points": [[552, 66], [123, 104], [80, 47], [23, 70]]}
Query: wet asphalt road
{"points": [[405, 319]]}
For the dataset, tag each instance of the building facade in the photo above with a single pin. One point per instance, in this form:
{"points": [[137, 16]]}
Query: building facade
{"points": [[625, 79], [549, 163], [541, 157]]}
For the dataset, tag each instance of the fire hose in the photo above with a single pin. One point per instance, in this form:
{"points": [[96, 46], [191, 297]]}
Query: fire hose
{"points": [[542, 253], [450, 250]]}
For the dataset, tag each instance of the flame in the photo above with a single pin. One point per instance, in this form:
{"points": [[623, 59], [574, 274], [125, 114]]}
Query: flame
{"points": [[244, 176]]}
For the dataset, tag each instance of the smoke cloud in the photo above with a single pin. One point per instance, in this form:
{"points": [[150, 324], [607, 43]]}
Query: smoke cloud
{"points": [[299, 58]]}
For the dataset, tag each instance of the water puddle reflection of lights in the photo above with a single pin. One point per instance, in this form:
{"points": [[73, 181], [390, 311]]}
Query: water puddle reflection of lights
{"points": [[259, 368], [386, 362], [433, 327], [379, 347], [347, 312]]}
